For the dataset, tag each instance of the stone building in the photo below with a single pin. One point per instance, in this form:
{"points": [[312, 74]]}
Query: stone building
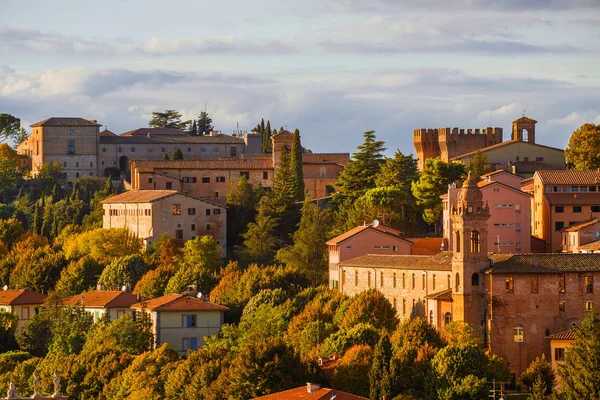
{"points": [[562, 198], [149, 213], [520, 155], [215, 178], [513, 301]]}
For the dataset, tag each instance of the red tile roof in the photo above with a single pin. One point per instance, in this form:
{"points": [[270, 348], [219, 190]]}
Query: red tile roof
{"points": [[65, 121], [486, 184], [576, 199], [326, 158], [154, 131], [593, 246], [499, 171], [525, 119], [581, 225], [302, 393], [355, 231], [439, 262], [22, 296], [544, 263], [569, 177], [108, 133], [427, 246], [283, 134], [445, 295], [498, 145], [102, 298], [234, 163], [179, 302], [140, 196], [564, 335]]}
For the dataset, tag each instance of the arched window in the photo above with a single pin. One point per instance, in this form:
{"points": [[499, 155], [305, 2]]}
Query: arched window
{"points": [[475, 245], [431, 317], [475, 279], [457, 241], [447, 318], [449, 282], [518, 333], [457, 282]]}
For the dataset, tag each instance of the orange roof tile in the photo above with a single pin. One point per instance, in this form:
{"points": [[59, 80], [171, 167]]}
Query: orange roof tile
{"points": [[179, 302], [499, 171], [444, 295], [498, 145], [564, 335], [576, 199], [427, 246], [581, 225], [442, 261], [355, 231], [65, 121], [326, 158], [140, 196], [233, 163], [486, 184], [569, 177], [22, 296], [525, 119], [593, 246], [106, 132], [302, 393], [102, 298]]}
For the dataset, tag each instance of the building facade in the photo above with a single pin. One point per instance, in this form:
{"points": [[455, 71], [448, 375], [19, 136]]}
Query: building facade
{"points": [[24, 302], [576, 237], [182, 320], [147, 214], [104, 304], [562, 198]]}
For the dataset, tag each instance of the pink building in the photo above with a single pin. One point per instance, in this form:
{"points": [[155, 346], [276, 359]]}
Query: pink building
{"points": [[583, 237], [366, 239], [509, 225]]}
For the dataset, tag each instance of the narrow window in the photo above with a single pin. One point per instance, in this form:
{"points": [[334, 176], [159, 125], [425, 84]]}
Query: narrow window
{"points": [[510, 284], [403, 280], [475, 246], [457, 241], [369, 278], [449, 281], [559, 354], [589, 306], [205, 179], [589, 284], [403, 306], [381, 279], [169, 185], [534, 284], [414, 281], [457, 282], [423, 281], [207, 211], [191, 211], [394, 280], [208, 227], [475, 279], [562, 285], [265, 175], [433, 283], [562, 306], [447, 318], [356, 278], [518, 333]]}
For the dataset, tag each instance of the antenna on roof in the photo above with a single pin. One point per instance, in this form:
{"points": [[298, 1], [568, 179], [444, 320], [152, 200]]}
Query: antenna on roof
{"points": [[375, 223]]}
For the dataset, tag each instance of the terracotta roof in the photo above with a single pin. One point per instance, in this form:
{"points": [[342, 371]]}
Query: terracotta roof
{"points": [[532, 166], [241, 164], [498, 145], [593, 246], [569, 177], [326, 158], [179, 302], [22, 296], [302, 393], [283, 134], [355, 231], [427, 246], [525, 119], [106, 132], [154, 131], [549, 263], [65, 121], [102, 298], [439, 262], [485, 184], [564, 335], [499, 171], [445, 295], [580, 225], [587, 198], [139, 196], [170, 139]]}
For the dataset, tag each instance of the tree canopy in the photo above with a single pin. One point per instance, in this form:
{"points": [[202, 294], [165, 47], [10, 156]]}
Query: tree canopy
{"points": [[168, 119], [583, 151]]}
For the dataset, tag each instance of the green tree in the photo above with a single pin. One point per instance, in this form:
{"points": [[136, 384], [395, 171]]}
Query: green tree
{"points": [[204, 123], [177, 154], [379, 375], [243, 202], [154, 283], [539, 370], [194, 129], [168, 119], [9, 167], [354, 366], [432, 183], [165, 157], [37, 335], [371, 306], [10, 231], [38, 269], [296, 168], [8, 327], [52, 174], [580, 373], [400, 172], [103, 245], [309, 252], [284, 192], [478, 165], [582, 152], [460, 333], [259, 240], [359, 175], [10, 126], [79, 276], [123, 271]]}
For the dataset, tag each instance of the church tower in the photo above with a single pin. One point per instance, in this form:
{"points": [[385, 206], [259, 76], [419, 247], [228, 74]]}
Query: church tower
{"points": [[469, 222], [524, 129], [281, 140]]}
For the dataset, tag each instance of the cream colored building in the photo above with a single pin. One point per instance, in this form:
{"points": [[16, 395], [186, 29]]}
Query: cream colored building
{"points": [[182, 320], [24, 302], [150, 213], [99, 303]]}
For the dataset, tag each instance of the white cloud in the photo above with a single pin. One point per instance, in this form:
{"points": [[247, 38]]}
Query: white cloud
{"points": [[578, 118]]}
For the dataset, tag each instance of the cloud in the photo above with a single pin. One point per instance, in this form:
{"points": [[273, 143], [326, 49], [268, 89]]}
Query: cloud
{"points": [[504, 5], [578, 118]]}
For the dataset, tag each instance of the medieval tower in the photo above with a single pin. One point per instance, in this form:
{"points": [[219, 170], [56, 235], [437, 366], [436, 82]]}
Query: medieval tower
{"points": [[469, 222]]}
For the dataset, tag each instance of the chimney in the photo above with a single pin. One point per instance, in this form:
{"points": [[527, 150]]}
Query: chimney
{"points": [[99, 286], [312, 387]]}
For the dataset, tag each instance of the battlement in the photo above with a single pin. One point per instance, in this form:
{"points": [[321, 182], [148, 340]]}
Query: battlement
{"points": [[425, 133], [460, 132]]}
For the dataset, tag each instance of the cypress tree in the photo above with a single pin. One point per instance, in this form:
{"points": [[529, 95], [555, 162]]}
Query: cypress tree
{"points": [[194, 130], [379, 376], [165, 157], [296, 167], [268, 144], [177, 154], [284, 193], [36, 217]]}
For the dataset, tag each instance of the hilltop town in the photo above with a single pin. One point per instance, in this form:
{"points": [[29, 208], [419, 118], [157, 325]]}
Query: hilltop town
{"points": [[176, 261]]}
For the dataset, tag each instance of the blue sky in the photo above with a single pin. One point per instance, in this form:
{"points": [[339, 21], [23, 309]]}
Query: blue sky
{"points": [[333, 69]]}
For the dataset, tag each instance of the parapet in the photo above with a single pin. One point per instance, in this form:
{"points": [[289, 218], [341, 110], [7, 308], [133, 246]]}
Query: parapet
{"points": [[425, 132]]}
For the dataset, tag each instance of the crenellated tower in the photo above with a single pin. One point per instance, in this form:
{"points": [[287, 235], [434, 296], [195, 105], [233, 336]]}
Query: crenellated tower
{"points": [[469, 223], [426, 145]]}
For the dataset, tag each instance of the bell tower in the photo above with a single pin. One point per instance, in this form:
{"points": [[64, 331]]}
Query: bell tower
{"points": [[469, 222], [524, 129]]}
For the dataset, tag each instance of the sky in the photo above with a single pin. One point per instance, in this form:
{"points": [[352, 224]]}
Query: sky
{"points": [[331, 68]]}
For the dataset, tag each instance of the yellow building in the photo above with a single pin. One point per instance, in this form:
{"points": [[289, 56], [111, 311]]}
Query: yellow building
{"points": [[25, 303], [182, 320], [99, 303]]}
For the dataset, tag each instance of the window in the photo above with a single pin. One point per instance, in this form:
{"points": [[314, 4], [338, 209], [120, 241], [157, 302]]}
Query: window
{"points": [[592, 188], [193, 228], [414, 281], [534, 284], [220, 179], [475, 279], [433, 281], [216, 211], [423, 281], [104, 149], [71, 131], [77, 164], [525, 158], [189, 321], [539, 159], [163, 149], [595, 208], [589, 305], [120, 149], [91, 164], [518, 333], [503, 205], [475, 245], [431, 317], [503, 225], [510, 284], [188, 179], [208, 227], [457, 241], [356, 278], [191, 211], [245, 174], [583, 188], [65, 164], [559, 354], [496, 189], [207, 211], [394, 280], [518, 227], [169, 185], [558, 225], [189, 149], [233, 150], [71, 147], [176, 209], [150, 149], [447, 318], [562, 306], [518, 208], [133, 149], [403, 306], [449, 281], [403, 280], [265, 174], [394, 303], [369, 278], [576, 209], [562, 285], [589, 284], [381, 279], [216, 149], [76, 174], [206, 179], [574, 188], [559, 209]]}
